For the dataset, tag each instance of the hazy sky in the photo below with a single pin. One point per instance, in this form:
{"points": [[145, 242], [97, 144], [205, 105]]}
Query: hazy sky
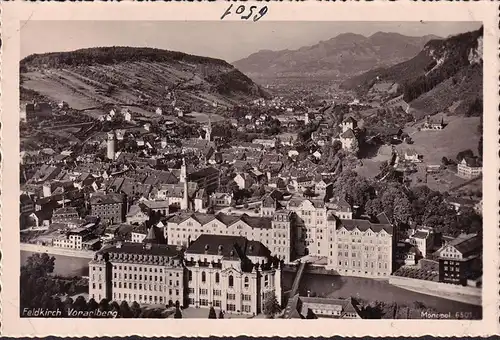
{"points": [[227, 40]]}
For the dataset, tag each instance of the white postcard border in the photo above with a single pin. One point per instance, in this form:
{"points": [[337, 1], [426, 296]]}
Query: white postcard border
{"points": [[12, 15]]}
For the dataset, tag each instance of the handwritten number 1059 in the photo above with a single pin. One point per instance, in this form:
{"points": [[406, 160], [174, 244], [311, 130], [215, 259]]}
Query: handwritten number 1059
{"points": [[241, 9]]}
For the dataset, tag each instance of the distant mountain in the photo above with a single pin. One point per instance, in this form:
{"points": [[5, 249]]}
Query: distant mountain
{"points": [[144, 77], [346, 54], [446, 74]]}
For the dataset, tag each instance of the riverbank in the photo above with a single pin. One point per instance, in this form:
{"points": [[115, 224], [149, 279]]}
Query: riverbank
{"points": [[36, 248], [336, 286], [458, 293]]}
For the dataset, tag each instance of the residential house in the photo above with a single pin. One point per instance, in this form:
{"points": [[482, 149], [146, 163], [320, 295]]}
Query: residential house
{"points": [[221, 199], [111, 207], [460, 259], [244, 180], [469, 167], [412, 156], [136, 215], [317, 308], [433, 125]]}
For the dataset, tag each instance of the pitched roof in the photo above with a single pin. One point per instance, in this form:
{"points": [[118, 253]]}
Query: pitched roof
{"points": [[466, 244], [228, 220], [364, 225], [420, 234], [110, 198], [227, 246], [141, 248], [348, 134], [300, 306], [350, 119], [155, 235]]}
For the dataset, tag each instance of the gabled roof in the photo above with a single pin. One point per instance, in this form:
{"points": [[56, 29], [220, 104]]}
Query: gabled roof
{"points": [[110, 198], [227, 246], [66, 210], [350, 119], [364, 225], [466, 244], [155, 235], [348, 134]]}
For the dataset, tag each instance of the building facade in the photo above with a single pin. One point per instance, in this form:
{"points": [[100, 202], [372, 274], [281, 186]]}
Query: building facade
{"points": [[274, 232], [146, 273], [469, 168], [460, 260], [360, 248], [109, 207], [231, 273]]}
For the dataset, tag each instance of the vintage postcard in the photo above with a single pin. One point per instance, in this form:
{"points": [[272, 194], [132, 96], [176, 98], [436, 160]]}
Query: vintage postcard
{"points": [[258, 164]]}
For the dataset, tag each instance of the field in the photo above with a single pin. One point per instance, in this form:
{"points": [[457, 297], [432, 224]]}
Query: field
{"points": [[47, 86], [202, 118], [460, 134], [369, 167], [145, 85]]}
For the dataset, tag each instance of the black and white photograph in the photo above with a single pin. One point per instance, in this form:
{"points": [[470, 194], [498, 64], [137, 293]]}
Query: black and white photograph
{"points": [[237, 170]]}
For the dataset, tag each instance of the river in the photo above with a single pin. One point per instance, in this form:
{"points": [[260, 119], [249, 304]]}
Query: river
{"points": [[371, 290], [65, 265], [323, 285]]}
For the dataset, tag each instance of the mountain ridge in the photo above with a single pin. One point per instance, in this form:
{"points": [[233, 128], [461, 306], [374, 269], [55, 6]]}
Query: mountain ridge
{"points": [[346, 53], [138, 75], [445, 72]]}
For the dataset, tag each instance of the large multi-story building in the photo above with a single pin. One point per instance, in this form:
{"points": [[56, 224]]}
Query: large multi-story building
{"points": [[460, 259], [65, 214], [359, 247], [276, 232], [78, 238], [111, 207], [231, 273], [311, 222], [148, 273]]}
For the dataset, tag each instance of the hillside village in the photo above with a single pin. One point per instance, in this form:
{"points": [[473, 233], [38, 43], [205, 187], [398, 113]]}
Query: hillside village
{"points": [[360, 184]]}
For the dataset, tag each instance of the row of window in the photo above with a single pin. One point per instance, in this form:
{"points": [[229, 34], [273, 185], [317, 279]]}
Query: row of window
{"points": [[367, 264], [152, 287], [142, 298]]}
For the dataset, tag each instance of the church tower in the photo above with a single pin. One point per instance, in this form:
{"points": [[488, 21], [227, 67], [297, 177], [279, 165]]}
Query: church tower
{"points": [[208, 130], [183, 175], [111, 145], [183, 179]]}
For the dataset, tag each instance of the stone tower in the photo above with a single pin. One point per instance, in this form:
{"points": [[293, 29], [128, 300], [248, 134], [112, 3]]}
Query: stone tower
{"points": [[208, 130], [111, 145], [183, 179]]}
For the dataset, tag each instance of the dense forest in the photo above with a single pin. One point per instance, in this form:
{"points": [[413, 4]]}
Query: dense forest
{"points": [[112, 55], [440, 60]]}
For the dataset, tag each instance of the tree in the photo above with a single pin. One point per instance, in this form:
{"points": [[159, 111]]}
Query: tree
{"points": [[271, 306], [135, 309], [463, 154], [221, 314], [92, 305], [68, 303], [402, 209], [125, 310], [115, 307], [211, 313], [80, 304], [177, 314], [355, 146]]}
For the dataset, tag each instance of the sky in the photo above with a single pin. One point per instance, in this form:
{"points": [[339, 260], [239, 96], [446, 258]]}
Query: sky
{"points": [[225, 40]]}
